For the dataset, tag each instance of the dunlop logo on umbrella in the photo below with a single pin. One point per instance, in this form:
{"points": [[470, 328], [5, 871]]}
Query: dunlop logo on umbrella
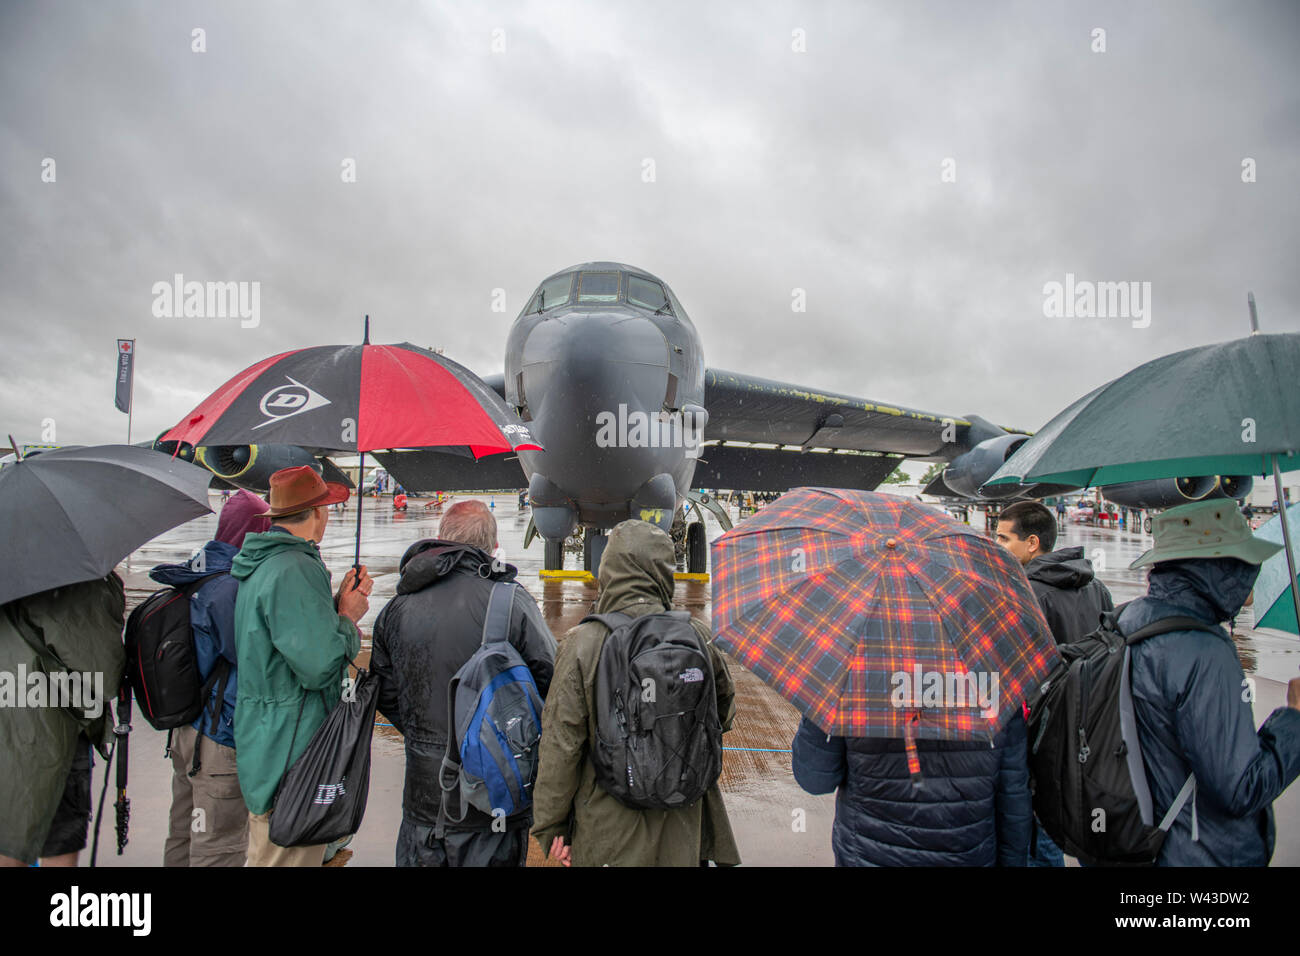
{"points": [[285, 401]]}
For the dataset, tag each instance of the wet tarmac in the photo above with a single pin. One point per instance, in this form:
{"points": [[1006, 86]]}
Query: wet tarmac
{"points": [[775, 822]]}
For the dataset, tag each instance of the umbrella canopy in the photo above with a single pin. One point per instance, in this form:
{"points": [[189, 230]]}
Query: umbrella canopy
{"points": [[71, 515], [877, 616], [357, 398], [1226, 409], [1273, 606]]}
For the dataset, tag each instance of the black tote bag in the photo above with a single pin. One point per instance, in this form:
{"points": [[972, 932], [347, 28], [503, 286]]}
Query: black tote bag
{"points": [[322, 797]]}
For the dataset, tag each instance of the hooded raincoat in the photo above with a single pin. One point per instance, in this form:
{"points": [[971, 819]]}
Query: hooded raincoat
{"points": [[293, 648], [422, 637], [1194, 715], [82, 625], [1069, 593], [636, 578]]}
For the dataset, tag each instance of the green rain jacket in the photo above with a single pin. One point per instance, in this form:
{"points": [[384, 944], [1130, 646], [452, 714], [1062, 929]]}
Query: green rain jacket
{"points": [[81, 624], [636, 578], [293, 649]]}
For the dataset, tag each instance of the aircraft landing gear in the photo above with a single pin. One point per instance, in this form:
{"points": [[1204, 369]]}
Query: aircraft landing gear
{"points": [[697, 548], [553, 559], [593, 548]]}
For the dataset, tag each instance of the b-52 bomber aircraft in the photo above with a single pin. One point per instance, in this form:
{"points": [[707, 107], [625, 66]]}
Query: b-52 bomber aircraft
{"points": [[607, 369]]}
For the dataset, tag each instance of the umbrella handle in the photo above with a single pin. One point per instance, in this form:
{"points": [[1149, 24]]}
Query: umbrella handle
{"points": [[361, 497]]}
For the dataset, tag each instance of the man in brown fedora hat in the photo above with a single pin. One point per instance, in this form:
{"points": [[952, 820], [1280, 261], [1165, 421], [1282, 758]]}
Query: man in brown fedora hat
{"points": [[294, 640]]}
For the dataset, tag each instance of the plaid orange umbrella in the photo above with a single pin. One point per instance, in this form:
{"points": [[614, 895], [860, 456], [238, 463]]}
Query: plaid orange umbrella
{"points": [[878, 616]]}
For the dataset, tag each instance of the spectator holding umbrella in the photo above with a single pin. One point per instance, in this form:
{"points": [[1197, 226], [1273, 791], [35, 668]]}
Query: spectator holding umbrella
{"points": [[294, 642], [70, 516], [909, 643], [1194, 717]]}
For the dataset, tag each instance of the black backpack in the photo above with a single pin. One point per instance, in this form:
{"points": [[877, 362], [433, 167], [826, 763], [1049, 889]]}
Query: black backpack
{"points": [[162, 664], [1089, 782], [658, 738]]}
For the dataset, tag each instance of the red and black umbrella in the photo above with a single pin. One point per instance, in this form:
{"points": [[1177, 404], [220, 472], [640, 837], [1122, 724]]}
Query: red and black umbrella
{"points": [[357, 398]]}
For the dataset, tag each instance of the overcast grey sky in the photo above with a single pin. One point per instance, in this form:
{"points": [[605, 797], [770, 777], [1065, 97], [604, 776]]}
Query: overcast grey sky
{"points": [[774, 169]]}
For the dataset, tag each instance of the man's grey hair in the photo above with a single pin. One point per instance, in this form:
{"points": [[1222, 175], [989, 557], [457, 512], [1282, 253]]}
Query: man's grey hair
{"points": [[470, 522]]}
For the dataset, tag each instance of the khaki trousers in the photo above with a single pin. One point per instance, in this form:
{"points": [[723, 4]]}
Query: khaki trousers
{"points": [[209, 822], [262, 852]]}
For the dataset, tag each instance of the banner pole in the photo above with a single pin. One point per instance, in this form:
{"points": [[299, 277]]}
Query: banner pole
{"points": [[130, 402]]}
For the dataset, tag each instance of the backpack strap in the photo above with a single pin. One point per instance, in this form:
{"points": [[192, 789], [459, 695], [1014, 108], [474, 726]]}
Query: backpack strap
{"points": [[496, 627], [496, 622], [1188, 792], [1128, 725], [1167, 624], [613, 620], [219, 678]]}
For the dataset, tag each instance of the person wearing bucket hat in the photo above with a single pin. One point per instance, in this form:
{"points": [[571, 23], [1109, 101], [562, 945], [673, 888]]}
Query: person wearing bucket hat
{"points": [[294, 641], [1205, 529], [1191, 700]]}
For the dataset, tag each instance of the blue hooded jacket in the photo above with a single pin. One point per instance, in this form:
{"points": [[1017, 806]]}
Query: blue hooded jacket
{"points": [[973, 810], [212, 616], [1194, 714]]}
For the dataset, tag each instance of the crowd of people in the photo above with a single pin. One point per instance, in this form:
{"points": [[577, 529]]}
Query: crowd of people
{"points": [[265, 621]]}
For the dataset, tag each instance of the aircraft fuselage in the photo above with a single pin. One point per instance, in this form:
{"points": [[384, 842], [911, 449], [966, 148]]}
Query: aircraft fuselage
{"points": [[608, 371]]}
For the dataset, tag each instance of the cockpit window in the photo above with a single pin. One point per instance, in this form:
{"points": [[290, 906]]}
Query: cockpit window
{"points": [[647, 294], [553, 292], [598, 287]]}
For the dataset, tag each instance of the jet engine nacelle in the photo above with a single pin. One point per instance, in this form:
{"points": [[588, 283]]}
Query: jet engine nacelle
{"points": [[1233, 486], [969, 470], [251, 466], [1160, 492]]}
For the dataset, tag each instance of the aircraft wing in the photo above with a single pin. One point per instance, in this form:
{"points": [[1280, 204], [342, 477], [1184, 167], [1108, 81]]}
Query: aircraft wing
{"points": [[423, 470], [758, 410]]}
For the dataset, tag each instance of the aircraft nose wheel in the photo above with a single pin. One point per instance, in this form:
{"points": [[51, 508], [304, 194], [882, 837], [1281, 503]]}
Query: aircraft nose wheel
{"points": [[697, 548], [553, 559], [593, 548]]}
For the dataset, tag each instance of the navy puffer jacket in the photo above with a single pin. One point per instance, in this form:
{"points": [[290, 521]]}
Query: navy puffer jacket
{"points": [[974, 808], [1194, 714]]}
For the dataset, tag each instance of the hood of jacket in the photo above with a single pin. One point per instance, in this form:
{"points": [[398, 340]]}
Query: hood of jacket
{"points": [[431, 559], [1066, 568], [1211, 589], [259, 547], [636, 569], [216, 557]]}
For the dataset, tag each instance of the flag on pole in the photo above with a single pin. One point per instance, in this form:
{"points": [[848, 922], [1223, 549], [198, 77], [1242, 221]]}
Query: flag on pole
{"points": [[125, 372]]}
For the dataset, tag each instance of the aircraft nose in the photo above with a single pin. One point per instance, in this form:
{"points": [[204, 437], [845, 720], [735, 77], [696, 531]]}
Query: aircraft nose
{"points": [[588, 359]]}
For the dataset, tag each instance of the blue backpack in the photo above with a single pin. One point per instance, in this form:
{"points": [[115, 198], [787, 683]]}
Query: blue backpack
{"points": [[494, 722]]}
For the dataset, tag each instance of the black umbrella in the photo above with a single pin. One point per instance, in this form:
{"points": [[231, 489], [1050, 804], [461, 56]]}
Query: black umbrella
{"points": [[71, 515]]}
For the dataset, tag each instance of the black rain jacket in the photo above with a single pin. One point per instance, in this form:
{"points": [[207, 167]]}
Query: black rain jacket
{"points": [[1070, 595], [423, 636]]}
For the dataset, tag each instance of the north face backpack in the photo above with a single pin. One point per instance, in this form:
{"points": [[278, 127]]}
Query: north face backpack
{"points": [[162, 664], [494, 724], [658, 739], [1089, 782]]}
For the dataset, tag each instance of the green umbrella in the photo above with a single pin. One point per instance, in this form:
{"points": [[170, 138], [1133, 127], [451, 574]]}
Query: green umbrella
{"points": [[1227, 409], [1272, 601]]}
